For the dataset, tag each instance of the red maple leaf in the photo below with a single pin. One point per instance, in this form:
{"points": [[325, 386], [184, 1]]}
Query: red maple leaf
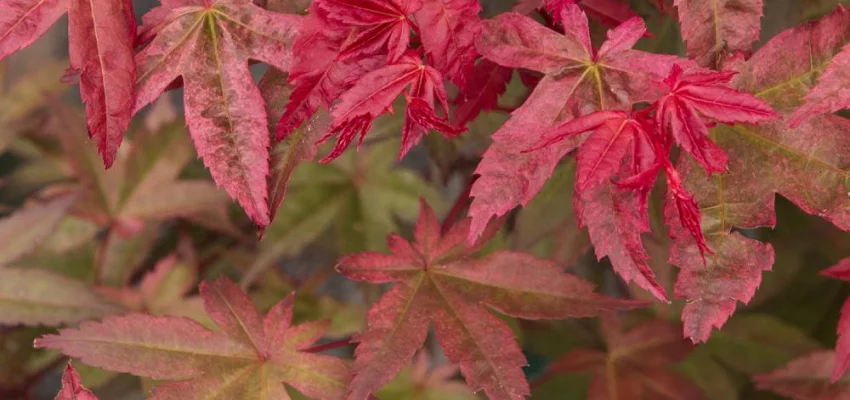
{"points": [[376, 24], [437, 281], [448, 29], [608, 12], [250, 357], [101, 35], [842, 347], [486, 83], [696, 96], [209, 45], [831, 93], [714, 28], [72, 389], [318, 73], [806, 165], [374, 94], [611, 78], [578, 80]]}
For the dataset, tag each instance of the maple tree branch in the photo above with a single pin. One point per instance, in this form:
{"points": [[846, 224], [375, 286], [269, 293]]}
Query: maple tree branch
{"points": [[331, 345]]}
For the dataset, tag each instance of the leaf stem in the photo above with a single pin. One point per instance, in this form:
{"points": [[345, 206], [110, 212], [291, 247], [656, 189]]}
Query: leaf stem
{"points": [[331, 345], [458, 207]]}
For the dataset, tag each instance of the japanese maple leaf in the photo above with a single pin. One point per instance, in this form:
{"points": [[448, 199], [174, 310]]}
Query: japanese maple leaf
{"points": [[72, 389], [806, 378], [578, 80], [712, 28], [831, 93], [807, 165], [635, 364], [249, 358], [842, 347], [448, 29], [101, 37], [486, 83], [209, 45], [318, 73], [619, 137], [609, 12], [437, 281], [377, 24], [695, 97], [374, 94]]}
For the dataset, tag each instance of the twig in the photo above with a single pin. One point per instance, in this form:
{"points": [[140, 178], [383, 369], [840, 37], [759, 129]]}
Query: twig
{"points": [[332, 345]]}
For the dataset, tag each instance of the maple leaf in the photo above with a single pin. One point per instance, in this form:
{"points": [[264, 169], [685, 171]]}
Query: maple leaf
{"points": [[806, 378], [579, 80], [374, 94], [636, 363], [831, 93], [72, 389], [209, 45], [101, 35], [712, 28], [377, 24], [437, 281], [696, 96], [842, 347], [805, 165], [486, 83], [448, 30], [609, 12], [318, 73], [249, 358]]}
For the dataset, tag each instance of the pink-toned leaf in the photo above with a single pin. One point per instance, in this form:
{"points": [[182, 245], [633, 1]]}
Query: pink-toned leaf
{"points": [[713, 28], [224, 109], [248, 359], [24, 21], [831, 93], [486, 83], [806, 378], [437, 281], [449, 29], [72, 389], [507, 176], [101, 50]]}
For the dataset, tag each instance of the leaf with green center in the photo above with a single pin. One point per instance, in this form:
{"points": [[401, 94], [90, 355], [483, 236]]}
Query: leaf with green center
{"points": [[209, 45], [579, 80], [249, 358], [437, 281], [807, 165]]}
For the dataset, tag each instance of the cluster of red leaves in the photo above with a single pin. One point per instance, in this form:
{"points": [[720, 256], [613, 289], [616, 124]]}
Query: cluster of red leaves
{"points": [[614, 142], [619, 110]]}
